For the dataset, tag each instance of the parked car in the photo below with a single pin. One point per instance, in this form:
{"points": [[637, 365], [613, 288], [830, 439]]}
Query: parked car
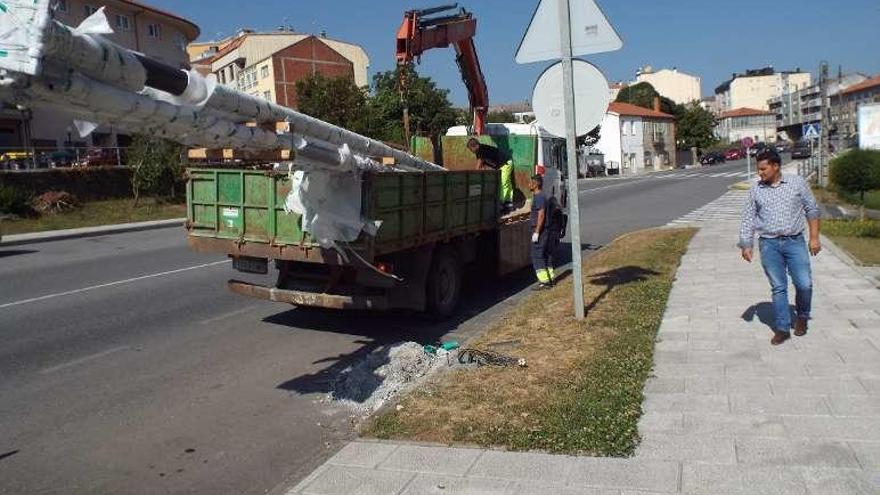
{"points": [[97, 157], [63, 158], [712, 158], [782, 147], [801, 150], [734, 154], [757, 148]]}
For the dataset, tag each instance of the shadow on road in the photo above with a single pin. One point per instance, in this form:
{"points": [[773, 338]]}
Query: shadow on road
{"points": [[16, 252], [380, 331], [766, 315], [616, 277]]}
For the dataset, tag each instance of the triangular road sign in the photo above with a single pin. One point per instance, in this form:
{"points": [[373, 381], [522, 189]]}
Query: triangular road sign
{"points": [[590, 32]]}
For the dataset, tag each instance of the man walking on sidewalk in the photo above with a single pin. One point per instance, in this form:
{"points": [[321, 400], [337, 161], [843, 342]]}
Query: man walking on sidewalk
{"points": [[776, 210]]}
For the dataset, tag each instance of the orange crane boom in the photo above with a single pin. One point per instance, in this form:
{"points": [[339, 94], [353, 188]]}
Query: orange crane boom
{"points": [[420, 32]]}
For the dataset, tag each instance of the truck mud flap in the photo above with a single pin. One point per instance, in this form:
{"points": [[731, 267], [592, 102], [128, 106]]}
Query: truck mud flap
{"points": [[301, 298]]}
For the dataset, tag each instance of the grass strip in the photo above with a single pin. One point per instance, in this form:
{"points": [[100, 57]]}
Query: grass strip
{"points": [[96, 213], [582, 390], [860, 238]]}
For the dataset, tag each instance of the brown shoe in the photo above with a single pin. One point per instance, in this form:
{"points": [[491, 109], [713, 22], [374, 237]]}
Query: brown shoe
{"points": [[800, 327], [779, 337]]}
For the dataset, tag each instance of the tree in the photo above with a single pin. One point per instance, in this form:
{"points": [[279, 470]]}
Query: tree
{"points": [[590, 138], [430, 111], [336, 100], [857, 172], [695, 127], [157, 166], [642, 94], [380, 115]]}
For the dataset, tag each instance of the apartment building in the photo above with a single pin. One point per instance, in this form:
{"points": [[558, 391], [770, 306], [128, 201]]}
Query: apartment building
{"points": [[229, 57], [804, 106], [138, 26], [757, 87], [636, 138], [734, 125], [677, 86], [844, 110]]}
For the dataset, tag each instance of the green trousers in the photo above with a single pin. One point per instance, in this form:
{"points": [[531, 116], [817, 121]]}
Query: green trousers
{"points": [[506, 186]]}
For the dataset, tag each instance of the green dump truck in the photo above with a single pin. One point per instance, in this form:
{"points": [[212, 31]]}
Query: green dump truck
{"points": [[433, 227]]}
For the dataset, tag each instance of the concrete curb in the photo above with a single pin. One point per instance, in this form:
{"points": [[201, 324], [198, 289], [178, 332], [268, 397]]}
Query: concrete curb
{"points": [[58, 235]]}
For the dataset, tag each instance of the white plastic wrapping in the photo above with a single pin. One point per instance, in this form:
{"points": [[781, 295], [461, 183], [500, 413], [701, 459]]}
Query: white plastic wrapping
{"points": [[89, 52], [22, 24], [330, 206]]}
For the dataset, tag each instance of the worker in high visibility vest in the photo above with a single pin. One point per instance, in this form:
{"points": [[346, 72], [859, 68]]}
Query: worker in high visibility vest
{"points": [[489, 156]]}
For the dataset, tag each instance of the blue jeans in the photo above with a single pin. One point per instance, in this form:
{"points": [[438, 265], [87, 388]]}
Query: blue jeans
{"points": [[777, 255]]}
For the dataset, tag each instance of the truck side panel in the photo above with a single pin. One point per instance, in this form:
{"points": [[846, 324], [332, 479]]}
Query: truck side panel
{"points": [[514, 245], [241, 212]]}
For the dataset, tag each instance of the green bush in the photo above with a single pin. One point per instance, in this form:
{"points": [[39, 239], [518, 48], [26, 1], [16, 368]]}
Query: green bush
{"points": [[14, 201], [157, 167], [852, 228], [856, 172]]}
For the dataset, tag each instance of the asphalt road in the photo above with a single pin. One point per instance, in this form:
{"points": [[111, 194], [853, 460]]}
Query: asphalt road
{"points": [[126, 366]]}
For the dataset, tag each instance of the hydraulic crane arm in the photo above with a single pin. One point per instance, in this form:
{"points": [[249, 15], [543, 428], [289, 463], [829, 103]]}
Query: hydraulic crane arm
{"points": [[419, 33]]}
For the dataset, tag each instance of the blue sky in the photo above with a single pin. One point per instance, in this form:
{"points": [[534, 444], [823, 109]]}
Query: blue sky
{"points": [[711, 39]]}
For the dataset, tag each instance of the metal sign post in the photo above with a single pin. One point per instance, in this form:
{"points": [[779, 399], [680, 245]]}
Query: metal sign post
{"points": [[747, 143], [748, 164], [570, 146], [583, 29]]}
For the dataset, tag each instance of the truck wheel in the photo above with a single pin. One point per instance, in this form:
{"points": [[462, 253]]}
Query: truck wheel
{"points": [[444, 284]]}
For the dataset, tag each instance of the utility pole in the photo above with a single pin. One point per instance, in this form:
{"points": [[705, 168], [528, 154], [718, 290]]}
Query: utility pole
{"points": [[823, 125], [570, 138]]}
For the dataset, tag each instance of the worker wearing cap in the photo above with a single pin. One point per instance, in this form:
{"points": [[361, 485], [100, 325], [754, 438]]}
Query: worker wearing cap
{"points": [[543, 243], [489, 156]]}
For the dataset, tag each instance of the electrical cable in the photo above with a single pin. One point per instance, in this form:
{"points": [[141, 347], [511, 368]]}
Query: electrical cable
{"points": [[482, 358]]}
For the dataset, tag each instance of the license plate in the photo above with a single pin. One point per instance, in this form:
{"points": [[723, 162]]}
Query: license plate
{"points": [[251, 265]]}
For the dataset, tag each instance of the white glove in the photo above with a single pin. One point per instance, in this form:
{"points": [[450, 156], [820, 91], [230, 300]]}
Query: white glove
{"points": [[535, 237]]}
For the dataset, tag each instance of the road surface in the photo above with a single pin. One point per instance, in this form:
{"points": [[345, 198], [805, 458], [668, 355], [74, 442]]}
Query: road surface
{"points": [[127, 367]]}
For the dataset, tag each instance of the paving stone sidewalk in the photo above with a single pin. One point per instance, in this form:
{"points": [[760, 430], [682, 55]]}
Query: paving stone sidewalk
{"points": [[725, 412]]}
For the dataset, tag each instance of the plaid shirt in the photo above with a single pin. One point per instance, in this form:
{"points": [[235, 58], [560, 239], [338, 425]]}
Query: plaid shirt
{"points": [[777, 211]]}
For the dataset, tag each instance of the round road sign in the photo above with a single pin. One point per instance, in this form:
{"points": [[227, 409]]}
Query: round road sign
{"points": [[747, 142], [591, 98]]}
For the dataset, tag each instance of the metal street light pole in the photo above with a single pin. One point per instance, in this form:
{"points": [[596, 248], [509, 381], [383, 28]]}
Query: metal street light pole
{"points": [[574, 224]]}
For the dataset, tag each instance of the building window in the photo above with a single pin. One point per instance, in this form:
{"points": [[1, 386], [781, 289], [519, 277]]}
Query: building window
{"points": [[61, 6], [90, 10], [264, 72], [122, 22], [627, 126], [154, 31], [267, 95], [247, 79]]}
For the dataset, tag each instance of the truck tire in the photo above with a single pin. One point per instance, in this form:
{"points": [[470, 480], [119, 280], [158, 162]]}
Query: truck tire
{"points": [[443, 288]]}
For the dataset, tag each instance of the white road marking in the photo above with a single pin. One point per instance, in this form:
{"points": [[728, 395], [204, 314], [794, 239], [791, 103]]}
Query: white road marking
{"points": [[111, 284], [582, 191], [83, 359], [228, 315]]}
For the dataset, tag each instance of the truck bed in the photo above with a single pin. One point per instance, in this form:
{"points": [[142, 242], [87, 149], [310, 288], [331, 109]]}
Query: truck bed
{"points": [[240, 212]]}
